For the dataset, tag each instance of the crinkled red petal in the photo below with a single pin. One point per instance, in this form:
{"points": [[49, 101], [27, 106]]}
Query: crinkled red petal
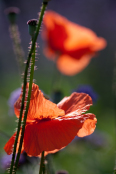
{"points": [[79, 102], [39, 107]]}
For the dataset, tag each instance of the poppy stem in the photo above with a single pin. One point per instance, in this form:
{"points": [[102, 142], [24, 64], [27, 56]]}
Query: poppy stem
{"points": [[12, 13], [27, 107], [44, 5], [42, 165], [20, 118], [18, 50]]}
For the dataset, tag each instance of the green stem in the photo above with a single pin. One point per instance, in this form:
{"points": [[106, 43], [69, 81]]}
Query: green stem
{"points": [[20, 117], [15, 35], [24, 89], [27, 107], [42, 165], [44, 5]]}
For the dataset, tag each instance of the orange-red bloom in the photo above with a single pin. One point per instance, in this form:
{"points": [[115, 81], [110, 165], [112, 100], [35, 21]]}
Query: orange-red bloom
{"points": [[72, 44], [51, 127]]}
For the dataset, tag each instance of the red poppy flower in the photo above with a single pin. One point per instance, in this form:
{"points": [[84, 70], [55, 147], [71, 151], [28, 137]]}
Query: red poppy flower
{"points": [[51, 127], [72, 44]]}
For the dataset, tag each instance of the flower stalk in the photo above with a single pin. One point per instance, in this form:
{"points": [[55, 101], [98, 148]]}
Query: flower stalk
{"points": [[12, 13], [18, 50], [27, 107], [42, 165], [44, 5]]}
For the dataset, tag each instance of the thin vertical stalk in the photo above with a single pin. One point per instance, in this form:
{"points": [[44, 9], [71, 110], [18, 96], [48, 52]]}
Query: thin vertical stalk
{"points": [[27, 107], [18, 50], [20, 117], [44, 5], [42, 166]]}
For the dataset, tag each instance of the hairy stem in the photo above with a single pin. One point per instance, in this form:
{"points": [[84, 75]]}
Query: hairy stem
{"points": [[44, 5], [42, 165], [27, 107]]}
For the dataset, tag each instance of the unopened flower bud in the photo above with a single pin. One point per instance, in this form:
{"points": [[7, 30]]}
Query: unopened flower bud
{"points": [[45, 1], [32, 26], [12, 14]]}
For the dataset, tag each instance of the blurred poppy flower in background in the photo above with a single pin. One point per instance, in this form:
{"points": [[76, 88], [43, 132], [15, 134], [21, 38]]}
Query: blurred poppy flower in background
{"points": [[72, 45], [51, 127]]}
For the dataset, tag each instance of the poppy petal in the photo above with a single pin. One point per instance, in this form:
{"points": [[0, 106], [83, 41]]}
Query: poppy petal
{"points": [[73, 45], [49, 53], [39, 107], [77, 102], [9, 145], [89, 121], [87, 128], [59, 31], [51, 136], [82, 37], [54, 28], [70, 66]]}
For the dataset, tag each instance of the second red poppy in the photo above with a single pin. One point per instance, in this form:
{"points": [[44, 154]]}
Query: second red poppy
{"points": [[70, 44]]}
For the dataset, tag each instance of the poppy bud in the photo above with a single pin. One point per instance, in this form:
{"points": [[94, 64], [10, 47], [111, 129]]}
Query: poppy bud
{"points": [[32, 26], [45, 1], [12, 14]]}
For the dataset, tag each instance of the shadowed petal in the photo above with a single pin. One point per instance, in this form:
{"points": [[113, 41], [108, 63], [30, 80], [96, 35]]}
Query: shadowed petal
{"points": [[55, 134], [77, 102], [89, 123], [9, 145]]}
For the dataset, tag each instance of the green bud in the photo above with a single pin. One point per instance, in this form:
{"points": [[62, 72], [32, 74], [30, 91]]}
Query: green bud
{"points": [[45, 1], [32, 26], [12, 14]]}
